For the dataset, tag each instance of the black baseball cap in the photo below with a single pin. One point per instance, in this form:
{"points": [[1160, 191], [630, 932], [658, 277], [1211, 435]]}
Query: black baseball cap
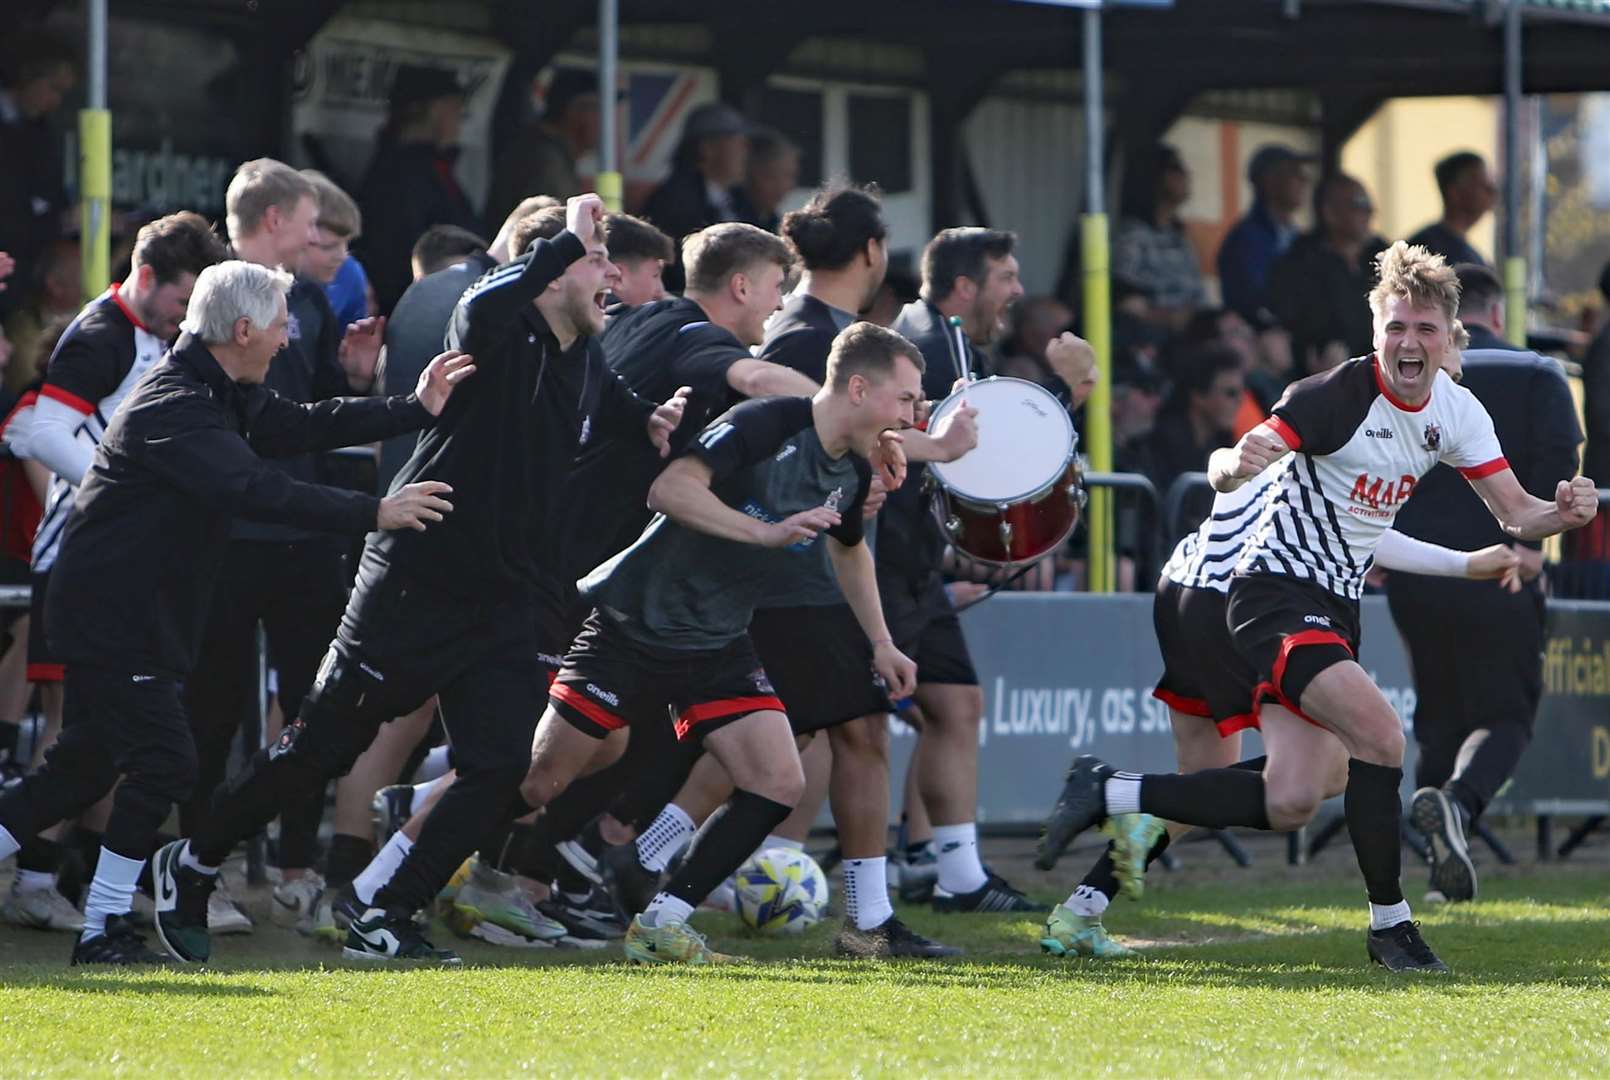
{"points": [[421, 82]]}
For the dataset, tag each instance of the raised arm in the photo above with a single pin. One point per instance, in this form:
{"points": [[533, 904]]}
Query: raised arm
{"points": [[1231, 466], [1524, 517]]}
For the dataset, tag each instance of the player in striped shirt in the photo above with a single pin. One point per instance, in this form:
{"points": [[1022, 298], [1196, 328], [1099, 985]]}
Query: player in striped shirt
{"points": [[1205, 679], [1353, 441]]}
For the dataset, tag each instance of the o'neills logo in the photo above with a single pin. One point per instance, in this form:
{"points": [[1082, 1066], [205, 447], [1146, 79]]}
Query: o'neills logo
{"points": [[1374, 496], [604, 695]]}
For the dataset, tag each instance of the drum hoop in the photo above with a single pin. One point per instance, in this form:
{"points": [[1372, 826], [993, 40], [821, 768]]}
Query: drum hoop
{"points": [[1030, 494]]}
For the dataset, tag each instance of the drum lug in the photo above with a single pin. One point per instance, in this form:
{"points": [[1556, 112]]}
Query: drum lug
{"points": [[1005, 529], [953, 525], [1077, 495]]}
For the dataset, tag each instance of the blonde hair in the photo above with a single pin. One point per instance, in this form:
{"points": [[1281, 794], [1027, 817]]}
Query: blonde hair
{"points": [[259, 184], [337, 211], [1420, 277]]}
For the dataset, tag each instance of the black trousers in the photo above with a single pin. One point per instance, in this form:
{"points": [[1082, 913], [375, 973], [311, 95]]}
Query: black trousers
{"points": [[114, 723], [1477, 655], [297, 592], [398, 644]]}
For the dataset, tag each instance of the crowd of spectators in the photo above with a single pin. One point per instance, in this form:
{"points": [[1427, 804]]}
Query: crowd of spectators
{"points": [[1207, 334]]}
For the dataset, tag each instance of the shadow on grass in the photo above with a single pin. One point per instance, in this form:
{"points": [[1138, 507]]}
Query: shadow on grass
{"points": [[117, 985]]}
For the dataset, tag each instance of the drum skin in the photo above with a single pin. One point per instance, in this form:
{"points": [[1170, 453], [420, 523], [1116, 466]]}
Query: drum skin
{"points": [[1017, 496]]}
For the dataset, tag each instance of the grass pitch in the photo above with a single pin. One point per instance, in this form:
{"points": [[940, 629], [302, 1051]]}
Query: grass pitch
{"points": [[1241, 977]]}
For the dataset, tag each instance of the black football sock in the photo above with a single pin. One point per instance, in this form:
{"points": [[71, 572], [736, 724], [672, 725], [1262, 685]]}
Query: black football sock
{"points": [[731, 835], [347, 857], [1211, 799], [1374, 818]]}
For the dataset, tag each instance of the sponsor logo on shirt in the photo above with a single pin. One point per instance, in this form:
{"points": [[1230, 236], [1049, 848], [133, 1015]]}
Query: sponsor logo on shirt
{"points": [[1378, 433], [1373, 496], [786, 452]]}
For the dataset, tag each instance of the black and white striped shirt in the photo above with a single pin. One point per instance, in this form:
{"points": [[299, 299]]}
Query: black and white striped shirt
{"points": [[1359, 454]]}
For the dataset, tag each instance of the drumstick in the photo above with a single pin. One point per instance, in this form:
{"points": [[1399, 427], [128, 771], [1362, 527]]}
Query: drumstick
{"points": [[958, 349]]}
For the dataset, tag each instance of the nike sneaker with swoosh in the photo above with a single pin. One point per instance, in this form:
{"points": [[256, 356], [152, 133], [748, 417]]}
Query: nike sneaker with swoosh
{"points": [[377, 935]]}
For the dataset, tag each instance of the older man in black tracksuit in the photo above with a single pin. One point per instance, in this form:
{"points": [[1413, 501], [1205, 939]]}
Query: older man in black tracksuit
{"points": [[1476, 647], [450, 611], [143, 550]]}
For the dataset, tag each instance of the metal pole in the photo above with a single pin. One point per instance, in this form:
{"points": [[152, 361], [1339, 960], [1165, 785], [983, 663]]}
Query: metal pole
{"points": [[95, 162], [1097, 310], [1514, 259], [609, 177]]}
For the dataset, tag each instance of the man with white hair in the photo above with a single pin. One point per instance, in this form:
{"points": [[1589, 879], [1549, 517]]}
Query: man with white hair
{"points": [[143, 549]]}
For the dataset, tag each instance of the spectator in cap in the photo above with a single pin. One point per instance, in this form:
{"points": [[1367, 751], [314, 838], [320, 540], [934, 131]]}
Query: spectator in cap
{"points": [[38, 70], [541, 158], [1468, 194], [773, 173], [410, 185], [1319, 288], [1152, 255], [1280, 187], [710, 163]]}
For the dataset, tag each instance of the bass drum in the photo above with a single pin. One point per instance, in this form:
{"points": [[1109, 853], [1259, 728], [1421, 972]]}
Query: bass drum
{"points": [[1015, 497]]}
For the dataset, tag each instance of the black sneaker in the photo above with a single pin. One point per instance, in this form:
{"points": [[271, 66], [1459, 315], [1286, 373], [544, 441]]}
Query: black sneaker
{"points": [[582, 851], [121, 944], [181, 905], [382, 935], [1401, 948], [631, 885], [1441, 821], [890, 939], [994, 897], [589, 921], [1082, 805]]}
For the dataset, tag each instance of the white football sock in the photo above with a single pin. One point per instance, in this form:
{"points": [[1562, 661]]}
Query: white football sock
{"points": [[666, 910], [9, 845], [187, 858], [1389, 915], [1087, 901], [111, 893], [382, 866], [660, 842], [1122, 791], [960, 870], [425, 790], [434, 765], [866, 892]]}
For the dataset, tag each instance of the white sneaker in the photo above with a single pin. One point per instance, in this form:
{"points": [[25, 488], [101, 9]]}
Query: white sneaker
{"points": [[41, 909], [224, 916], [295, 901]]}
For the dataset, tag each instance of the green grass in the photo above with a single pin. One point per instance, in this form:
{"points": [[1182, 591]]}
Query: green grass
{"points": [[1263, 978]]}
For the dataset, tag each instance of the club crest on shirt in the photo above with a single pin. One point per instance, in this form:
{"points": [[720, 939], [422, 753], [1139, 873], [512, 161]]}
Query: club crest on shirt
{"points": [[761, 681], [293, 327], [834, 497], [1433, 441]]}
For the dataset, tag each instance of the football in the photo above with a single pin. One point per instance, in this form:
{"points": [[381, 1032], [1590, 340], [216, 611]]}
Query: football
{"points": [[781, 891]]}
